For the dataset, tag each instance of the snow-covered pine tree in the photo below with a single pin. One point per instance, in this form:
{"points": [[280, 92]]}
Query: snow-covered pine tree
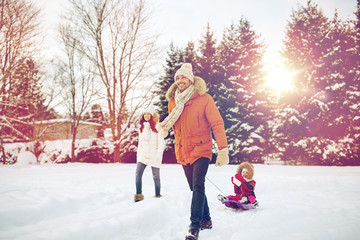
{"points": [[317, 49], [305, 45], [207, 61], [352, 137], [240, 63], [190, 56]]}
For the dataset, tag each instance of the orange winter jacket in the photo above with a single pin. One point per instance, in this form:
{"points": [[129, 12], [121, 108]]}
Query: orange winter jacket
{"points": [[193, 138]]}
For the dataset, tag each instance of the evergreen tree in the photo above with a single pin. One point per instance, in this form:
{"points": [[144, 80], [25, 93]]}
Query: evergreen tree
{"points": [[352, 138], [305, 45], [189, 56], [319, 50], [26, 101], [240, 64], [207, 61], [173, 63]]}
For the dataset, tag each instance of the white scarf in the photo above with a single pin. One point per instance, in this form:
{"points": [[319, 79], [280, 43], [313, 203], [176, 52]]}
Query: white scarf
{"points": [[180, 99]]}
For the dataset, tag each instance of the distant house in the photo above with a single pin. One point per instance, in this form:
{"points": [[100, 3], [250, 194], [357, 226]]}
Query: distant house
{"points": [[60, 129]]}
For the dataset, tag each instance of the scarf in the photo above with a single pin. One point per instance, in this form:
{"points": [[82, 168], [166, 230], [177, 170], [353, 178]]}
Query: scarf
{"points": [[180, 99]]}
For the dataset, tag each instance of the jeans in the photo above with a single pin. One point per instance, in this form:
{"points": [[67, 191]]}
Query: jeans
{"points": [[195, 175], [138, 179]]}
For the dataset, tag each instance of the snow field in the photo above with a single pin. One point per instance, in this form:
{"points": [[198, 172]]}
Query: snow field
{"points": [[95, 201]]}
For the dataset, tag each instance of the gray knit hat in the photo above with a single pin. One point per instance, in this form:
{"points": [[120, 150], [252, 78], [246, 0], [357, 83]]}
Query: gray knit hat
{"points": [[185, 70]]}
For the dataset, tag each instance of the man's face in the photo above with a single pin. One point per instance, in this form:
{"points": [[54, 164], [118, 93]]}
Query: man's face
{"points": [[182, 82]]}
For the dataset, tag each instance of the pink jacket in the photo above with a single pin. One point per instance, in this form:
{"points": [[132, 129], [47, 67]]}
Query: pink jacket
{"points": [[246, 189]]}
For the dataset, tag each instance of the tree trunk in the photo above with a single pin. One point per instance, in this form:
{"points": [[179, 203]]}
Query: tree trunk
{"points": [[116, 153], [2, 151], [73, 144]]}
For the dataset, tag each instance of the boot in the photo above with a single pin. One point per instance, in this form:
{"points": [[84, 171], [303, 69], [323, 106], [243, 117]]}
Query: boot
{"points": [[193, 234], [205, 224], [138, 197]]}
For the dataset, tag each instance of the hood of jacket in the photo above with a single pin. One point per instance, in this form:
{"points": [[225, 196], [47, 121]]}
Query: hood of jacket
{"points": [[248, 166], [199, 85]]}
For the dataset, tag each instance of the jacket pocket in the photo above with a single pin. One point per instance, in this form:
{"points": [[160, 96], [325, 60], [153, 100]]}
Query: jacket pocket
{"points": [[199, 140]]}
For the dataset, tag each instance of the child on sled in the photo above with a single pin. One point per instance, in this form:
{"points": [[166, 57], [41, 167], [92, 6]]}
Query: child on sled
{"points": [[244, 185]]}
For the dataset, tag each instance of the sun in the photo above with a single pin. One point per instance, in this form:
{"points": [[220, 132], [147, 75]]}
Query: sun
{"points": [[279, 78]]}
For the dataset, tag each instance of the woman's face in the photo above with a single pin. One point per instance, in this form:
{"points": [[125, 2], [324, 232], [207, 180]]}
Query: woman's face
{"points": [[147, 116], [182, 82]]}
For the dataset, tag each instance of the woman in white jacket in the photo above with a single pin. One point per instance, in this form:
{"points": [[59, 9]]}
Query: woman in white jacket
{"points": [[149, 152]]}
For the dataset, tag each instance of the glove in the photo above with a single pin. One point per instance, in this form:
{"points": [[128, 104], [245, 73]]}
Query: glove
{"points": [[235, 181], [240, 178], [223, 157], [162, 132]]}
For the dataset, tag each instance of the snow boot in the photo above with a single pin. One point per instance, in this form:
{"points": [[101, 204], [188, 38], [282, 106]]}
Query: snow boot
{"points": [[193, 234], [205, 224], [158, 196], [138, 197], [222, 198]]}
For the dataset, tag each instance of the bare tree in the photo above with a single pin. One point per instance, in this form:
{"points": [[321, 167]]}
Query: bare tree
{"points": [[76, 81], [19, 27], [116, 39]]}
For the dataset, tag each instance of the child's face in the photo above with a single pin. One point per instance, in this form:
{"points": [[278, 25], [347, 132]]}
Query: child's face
{"points": [[245, 174]]}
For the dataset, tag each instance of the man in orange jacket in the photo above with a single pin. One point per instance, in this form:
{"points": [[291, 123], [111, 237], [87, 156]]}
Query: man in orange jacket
{"points": [[192, 115]]}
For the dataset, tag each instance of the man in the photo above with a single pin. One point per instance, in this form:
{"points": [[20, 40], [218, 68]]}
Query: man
{"points": [[192, 115]]}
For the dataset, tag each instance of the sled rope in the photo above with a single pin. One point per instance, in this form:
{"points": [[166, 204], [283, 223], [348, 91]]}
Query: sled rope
{"points": [[215, 185]]}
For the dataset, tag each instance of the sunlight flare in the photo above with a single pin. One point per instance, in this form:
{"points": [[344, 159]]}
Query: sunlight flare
{"points": [[279, 78]]}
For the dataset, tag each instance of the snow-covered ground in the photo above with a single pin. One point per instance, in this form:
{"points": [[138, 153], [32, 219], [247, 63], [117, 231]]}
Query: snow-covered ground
{"points": [[95, 201]]}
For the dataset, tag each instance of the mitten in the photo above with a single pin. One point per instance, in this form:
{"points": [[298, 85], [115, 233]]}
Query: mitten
{"points": [[235, 181], [162, 132], [223, 157], [240, 178]]}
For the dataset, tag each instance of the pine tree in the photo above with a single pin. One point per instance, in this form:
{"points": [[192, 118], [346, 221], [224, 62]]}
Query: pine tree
{"points": [[319, 50], [173, 63], [207, 61], [27, 103], [352, 138], [189, 56], [240, 62]]}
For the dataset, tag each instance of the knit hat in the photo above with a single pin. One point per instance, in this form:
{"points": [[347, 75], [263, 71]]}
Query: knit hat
{"points": [[150, 109], [185, 70]]}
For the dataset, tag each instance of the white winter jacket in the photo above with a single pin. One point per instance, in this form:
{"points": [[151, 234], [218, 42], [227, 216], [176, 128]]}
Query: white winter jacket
{"points": [[150, 148]]}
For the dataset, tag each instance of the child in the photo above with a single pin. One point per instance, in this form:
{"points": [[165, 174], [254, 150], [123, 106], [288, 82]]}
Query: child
{"points": [[244, 184], [149, 153]]}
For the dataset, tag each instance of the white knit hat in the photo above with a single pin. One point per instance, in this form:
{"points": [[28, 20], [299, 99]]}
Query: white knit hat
{"points": [[185, 70], [150, 109]]}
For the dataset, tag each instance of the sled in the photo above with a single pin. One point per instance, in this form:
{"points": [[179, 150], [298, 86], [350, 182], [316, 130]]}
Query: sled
{"points": [[236, 204]]}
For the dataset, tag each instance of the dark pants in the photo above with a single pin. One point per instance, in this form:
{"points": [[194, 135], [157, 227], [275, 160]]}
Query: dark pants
{"points": [[138, 179], [195, 175]]}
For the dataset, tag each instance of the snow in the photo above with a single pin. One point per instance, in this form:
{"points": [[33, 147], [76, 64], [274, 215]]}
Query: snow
{"points": [[95, 201], [25, 158]]}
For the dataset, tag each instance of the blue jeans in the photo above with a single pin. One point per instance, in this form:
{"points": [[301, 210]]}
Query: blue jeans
{"points": [[138, 178], [195, 175]]}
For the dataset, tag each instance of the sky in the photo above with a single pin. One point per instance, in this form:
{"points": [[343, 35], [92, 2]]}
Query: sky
{"points": [[183, 21]]}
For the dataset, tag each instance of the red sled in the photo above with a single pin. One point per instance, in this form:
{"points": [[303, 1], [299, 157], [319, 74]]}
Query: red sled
{"points": [[236, 204]]}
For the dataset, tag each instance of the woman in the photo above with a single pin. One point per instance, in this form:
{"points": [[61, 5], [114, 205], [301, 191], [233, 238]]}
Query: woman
{"points": [[149, 153]]}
